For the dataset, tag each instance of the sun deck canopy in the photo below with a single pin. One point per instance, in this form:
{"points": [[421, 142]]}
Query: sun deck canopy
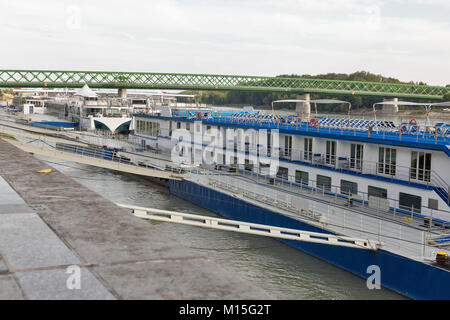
{"points": [[315, 102], [86, 92]]}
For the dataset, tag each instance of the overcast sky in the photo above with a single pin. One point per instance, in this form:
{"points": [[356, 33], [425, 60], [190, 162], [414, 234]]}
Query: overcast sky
{"points": [[405, 39]]}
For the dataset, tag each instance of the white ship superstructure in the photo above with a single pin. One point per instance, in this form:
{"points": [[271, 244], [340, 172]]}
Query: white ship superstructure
{"points": [[95, 113]]}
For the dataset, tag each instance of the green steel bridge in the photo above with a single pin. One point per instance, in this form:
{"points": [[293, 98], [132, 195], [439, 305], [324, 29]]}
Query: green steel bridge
{"points": [[144, 80]]}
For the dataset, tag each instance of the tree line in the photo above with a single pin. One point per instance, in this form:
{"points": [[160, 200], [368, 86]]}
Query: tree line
{"points": [[4, 92], [263, 100]]}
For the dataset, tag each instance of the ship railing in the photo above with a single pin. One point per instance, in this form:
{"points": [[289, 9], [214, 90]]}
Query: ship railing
{"points": [[442, 187], [283, 200], [359, 166], [111, 154], [379, 129], [354, 165], [359, 206], [280, 196], [397, 235], [344, 162], [379, 204], [106, 134]]}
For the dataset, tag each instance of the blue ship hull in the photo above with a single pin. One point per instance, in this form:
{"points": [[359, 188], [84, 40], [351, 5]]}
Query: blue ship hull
{"points": [[403, 275]]}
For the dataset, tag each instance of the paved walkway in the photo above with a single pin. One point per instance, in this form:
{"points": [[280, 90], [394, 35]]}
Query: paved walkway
{"points": [[49, 223]]}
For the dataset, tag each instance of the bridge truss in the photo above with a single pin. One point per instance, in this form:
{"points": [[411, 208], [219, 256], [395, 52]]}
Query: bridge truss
{"points": [[180, 81]]}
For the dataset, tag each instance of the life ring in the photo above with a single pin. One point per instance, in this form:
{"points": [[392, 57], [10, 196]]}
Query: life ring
{"points": [[313, 122], [413, 121], [199, 115]]}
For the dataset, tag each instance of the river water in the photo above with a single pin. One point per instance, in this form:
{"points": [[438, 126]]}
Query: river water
{"points": [[283, 272]]}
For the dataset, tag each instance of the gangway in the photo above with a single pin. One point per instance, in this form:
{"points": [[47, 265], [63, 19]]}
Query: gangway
{"points": [[28, 128], [251, 228], [90, 159], [37, 136]]}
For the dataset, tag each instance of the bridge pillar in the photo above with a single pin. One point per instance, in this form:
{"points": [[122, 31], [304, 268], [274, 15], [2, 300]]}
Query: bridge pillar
{"points": [[390, 108], [304, 108], [122, 93]]}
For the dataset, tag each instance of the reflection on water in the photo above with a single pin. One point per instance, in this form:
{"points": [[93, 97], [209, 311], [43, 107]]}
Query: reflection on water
{"points": [[283, 272]]}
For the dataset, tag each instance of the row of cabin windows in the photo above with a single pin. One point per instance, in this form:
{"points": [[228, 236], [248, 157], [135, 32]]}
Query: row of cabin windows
{"points": [[153, 128], [356, 153], [420, 168], [387, 157], [406, 201], [147, 128]]}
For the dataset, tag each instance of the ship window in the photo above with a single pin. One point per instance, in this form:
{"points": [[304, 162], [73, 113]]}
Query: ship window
{"points": [[138, 126], [264, 168], [433, 204], [307, 150], [349, 187], [248, 166], [356, 155], [147, 128], [377, 192], [269, 143], [330, 156], [323, 182], [150, 128], [178, 125], [302, 177], [287, 146], [188, 126], [156, 129], [387, 160], [420, 166], [283, 173], [409, 202]]}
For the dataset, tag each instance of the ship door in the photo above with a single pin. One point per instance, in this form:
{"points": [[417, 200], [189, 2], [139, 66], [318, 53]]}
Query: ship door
{"points": [[420, 166]]}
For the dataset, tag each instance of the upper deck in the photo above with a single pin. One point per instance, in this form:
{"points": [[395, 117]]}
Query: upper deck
{"points": [[436, 137]]}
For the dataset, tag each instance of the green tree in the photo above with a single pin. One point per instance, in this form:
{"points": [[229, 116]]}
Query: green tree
{"points": [[264, 99]]}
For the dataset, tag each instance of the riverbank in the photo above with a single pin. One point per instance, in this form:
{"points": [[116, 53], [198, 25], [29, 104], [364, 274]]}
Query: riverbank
{"points": [[51, 225]]}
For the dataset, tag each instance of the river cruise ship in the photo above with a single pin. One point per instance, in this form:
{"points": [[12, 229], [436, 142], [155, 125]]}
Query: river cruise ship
{"points": [[29, 105], [94, 113], [374, 179]]}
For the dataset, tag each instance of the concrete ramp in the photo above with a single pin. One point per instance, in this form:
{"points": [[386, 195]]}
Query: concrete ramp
{"points": [[63, 227]]}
